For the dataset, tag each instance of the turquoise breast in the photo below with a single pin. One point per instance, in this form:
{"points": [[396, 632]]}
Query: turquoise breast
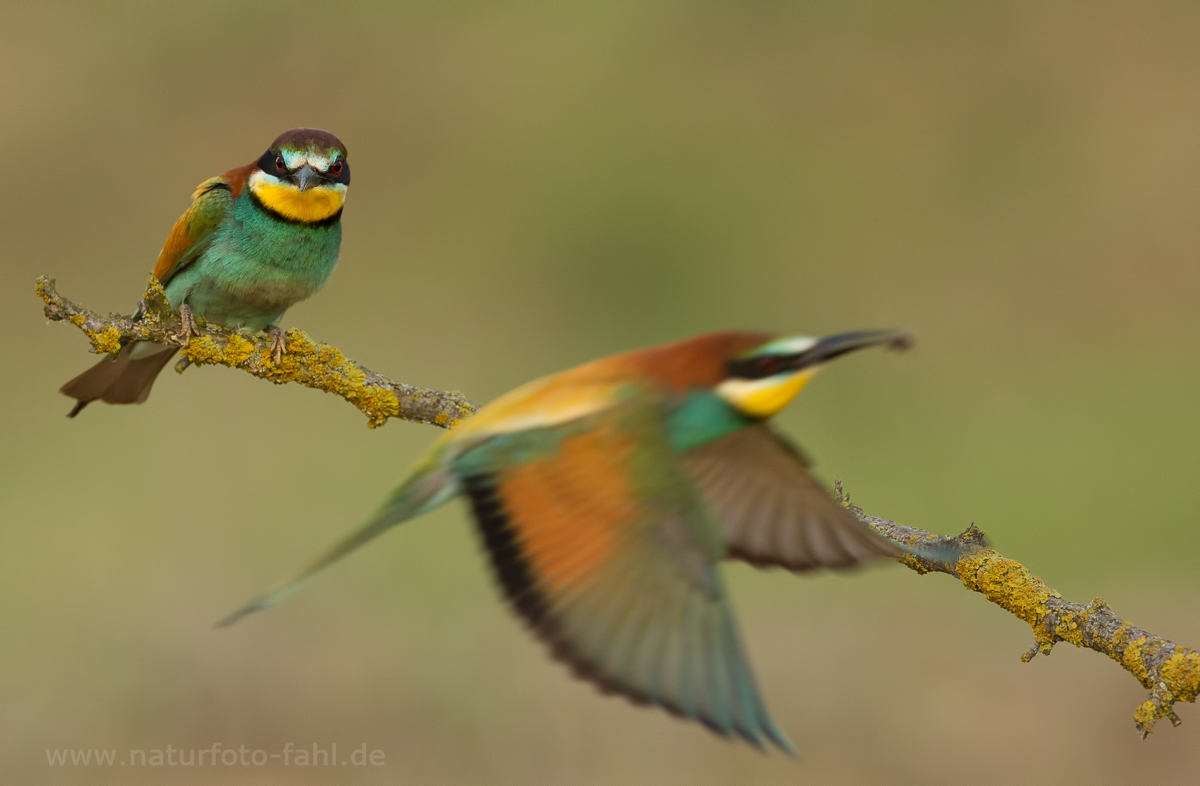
{"points": [[256, 267]]}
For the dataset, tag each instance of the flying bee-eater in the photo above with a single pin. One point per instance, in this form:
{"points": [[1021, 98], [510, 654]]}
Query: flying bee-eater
{"points": [[607, 495], [255, 241]]}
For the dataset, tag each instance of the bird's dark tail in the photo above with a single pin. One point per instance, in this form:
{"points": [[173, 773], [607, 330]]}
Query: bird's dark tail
{"points": [[123, 379]]}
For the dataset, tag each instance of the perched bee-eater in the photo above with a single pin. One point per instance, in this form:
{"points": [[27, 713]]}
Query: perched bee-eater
{"points": [[255, 241], [607, 495]]}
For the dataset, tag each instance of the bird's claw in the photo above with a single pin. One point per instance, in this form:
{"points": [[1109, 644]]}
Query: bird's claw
{"points": [[190, 328], [278, 338]]}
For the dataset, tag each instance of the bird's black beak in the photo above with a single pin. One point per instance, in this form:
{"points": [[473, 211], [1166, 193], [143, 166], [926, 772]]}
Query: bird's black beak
{"points": [[835, 346], [306, 176]]}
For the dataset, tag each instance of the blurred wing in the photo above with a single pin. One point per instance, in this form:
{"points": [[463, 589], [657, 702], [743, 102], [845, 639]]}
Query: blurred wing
{"points": [[772, 512], [194, 230], [599, 542]]}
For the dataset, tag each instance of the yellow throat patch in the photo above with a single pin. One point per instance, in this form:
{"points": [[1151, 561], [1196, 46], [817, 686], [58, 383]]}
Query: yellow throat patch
{"points": [[314, 204], [762, 398]]}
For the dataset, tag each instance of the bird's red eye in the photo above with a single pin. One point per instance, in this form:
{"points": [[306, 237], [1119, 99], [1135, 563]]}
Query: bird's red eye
{"points": [[336, 168], [280, 164]]}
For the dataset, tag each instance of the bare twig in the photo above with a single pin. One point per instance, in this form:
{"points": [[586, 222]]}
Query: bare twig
{"points": [[1170, 672], [310, 364]]}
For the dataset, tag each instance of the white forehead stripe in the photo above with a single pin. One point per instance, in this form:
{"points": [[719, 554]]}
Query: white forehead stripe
{"points": [[788, 346], [296, 159]]}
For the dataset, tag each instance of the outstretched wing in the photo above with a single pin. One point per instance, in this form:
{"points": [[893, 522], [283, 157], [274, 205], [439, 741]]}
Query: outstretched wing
{"points": [[772, 511], [600, 543], [194, 230]]}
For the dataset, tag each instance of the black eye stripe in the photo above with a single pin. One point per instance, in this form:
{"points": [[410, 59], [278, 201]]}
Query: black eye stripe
{"points": [[342, 177], [755, 367], [267, 164]]}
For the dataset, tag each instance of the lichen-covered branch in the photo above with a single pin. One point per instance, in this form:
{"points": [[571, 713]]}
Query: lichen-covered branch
{"points": [[313, 365], [1170, 672]]}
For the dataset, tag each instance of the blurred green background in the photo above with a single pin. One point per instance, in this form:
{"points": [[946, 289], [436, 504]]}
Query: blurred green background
{"points": [[539, 184]]}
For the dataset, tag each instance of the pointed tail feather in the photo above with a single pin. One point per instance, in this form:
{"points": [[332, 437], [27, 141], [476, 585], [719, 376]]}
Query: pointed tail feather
{"points": [[123, 379], [95, 382], [134, 385], [422, 492], [946, 551]]}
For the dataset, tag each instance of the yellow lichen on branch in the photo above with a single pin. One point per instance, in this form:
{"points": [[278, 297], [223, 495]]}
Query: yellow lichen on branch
{"points": [[1007, 583], [314, 365], [305, 362], [1170, 672]]}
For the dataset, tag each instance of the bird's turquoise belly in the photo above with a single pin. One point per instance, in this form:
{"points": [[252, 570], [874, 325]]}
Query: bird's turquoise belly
{"points": [[234, 302], [255, 270]]}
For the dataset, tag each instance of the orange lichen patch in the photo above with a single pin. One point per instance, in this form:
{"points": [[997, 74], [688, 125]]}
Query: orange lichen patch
{"points": [[1011, 586], [1071, 624], [1181, 673], [312, 365], [1132, 658], [378, 404], [237, 350], [156, 301], [569, 510], [1146, 715], [204, 351], [324, 367], [1006, 583], [914, 563], [107, 340]]}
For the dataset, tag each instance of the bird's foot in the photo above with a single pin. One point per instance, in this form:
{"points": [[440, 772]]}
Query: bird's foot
{"points": [[190, 328], [278, 338]]}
